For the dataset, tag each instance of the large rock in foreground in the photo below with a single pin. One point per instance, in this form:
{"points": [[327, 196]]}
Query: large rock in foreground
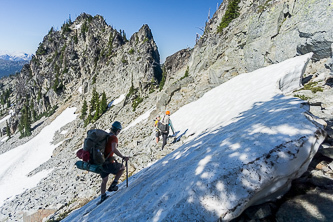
{"points": [[246, 142]]}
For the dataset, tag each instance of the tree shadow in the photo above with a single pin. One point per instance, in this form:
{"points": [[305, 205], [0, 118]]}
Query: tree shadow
{"points": [[36, 126], [236, 165]]}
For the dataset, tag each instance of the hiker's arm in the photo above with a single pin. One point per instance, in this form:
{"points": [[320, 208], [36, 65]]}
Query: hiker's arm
{"points": [[170, 123], [116, 151]]}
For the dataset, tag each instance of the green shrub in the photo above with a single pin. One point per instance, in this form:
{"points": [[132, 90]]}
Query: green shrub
{"points": [[75, 38], [231, 13], [41, 50], [302, 97], [131, 91], [185, 75], [137, 40], [84, 29], [261, 8], [312, 86], [136, 102], [94, 79], [163, 79], [65, 28], [131, 51]]}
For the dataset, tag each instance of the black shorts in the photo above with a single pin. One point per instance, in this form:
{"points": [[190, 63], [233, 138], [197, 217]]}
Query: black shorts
{"points": [[158, 133], [112, 168]]}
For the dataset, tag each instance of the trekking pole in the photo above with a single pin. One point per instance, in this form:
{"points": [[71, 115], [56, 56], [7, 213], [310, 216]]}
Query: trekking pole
{"points": [[126, 174]]}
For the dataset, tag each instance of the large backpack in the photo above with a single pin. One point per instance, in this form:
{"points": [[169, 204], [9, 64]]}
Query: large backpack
{"points": [[95, 143], [163, 125]]}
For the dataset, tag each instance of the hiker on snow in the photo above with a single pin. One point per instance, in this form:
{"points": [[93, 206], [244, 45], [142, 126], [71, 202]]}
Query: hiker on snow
{"points": [[111, 165], [164, 125], [158, 132]]}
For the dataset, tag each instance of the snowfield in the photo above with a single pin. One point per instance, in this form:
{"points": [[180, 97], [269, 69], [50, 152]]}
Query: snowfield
{"points": [[246, 142]]}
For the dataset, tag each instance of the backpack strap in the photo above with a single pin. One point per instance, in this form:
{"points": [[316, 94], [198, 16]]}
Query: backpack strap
{"points": [[107, 139]]}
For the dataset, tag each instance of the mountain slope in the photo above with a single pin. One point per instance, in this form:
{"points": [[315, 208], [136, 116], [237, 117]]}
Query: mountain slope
{"points": [[231, 161], [88, 53]]}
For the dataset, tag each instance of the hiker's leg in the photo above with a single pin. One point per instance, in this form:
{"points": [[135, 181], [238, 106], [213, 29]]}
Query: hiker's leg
{"points": [[165, 136], [120, 172], [103, 185], [157, 136]]}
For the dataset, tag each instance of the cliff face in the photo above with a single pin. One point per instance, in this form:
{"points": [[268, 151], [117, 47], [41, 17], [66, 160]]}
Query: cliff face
{"points": [[264, 33]]}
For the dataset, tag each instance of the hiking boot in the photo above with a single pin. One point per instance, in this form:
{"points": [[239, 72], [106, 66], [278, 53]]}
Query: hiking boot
{"points": [[113, 187], [104, 197]]}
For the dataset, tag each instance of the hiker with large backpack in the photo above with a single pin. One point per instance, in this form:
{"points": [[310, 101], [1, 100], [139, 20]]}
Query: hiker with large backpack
{"points": [[164, 125], [111, 165]]}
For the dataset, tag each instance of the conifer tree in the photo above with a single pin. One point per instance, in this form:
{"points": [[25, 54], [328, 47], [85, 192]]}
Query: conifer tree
{"points": [[103, 104], [93, 100], [84, 109], [96, 116], [94, 79], [8, 130], [124, 36], [8, 103], [110, 44], [25, 122], [39, 95], [21, 126], [33, 111], [2, 99]]}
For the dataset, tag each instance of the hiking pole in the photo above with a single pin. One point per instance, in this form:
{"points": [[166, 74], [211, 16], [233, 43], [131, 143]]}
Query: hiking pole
{"points": [[126, 174]]}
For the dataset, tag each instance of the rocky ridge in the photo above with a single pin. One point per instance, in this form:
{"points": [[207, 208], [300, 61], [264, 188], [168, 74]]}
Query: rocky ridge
{"points": [[258, 37]]}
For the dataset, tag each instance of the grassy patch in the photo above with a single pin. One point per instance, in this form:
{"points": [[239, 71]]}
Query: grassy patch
{"points": [[302, 97], [313, 87]]}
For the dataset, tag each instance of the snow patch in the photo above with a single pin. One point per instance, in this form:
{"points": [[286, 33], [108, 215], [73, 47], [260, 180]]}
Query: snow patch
{"points": [[17, 163]]}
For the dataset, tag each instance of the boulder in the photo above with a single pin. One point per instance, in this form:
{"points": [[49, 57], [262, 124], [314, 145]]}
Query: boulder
{"points": [[314, 206]]}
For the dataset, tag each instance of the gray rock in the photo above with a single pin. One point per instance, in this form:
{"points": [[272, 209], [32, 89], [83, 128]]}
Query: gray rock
{"points": [[329, 64], [320, 179], [328, 152], [313, 206], [260, 211]]}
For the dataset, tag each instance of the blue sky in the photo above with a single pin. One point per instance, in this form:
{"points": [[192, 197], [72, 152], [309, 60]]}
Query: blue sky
{"points": [[174, 23]]}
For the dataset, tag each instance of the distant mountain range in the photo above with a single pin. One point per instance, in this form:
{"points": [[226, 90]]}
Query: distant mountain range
{"points": [[12, 62], [15, 56]]}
